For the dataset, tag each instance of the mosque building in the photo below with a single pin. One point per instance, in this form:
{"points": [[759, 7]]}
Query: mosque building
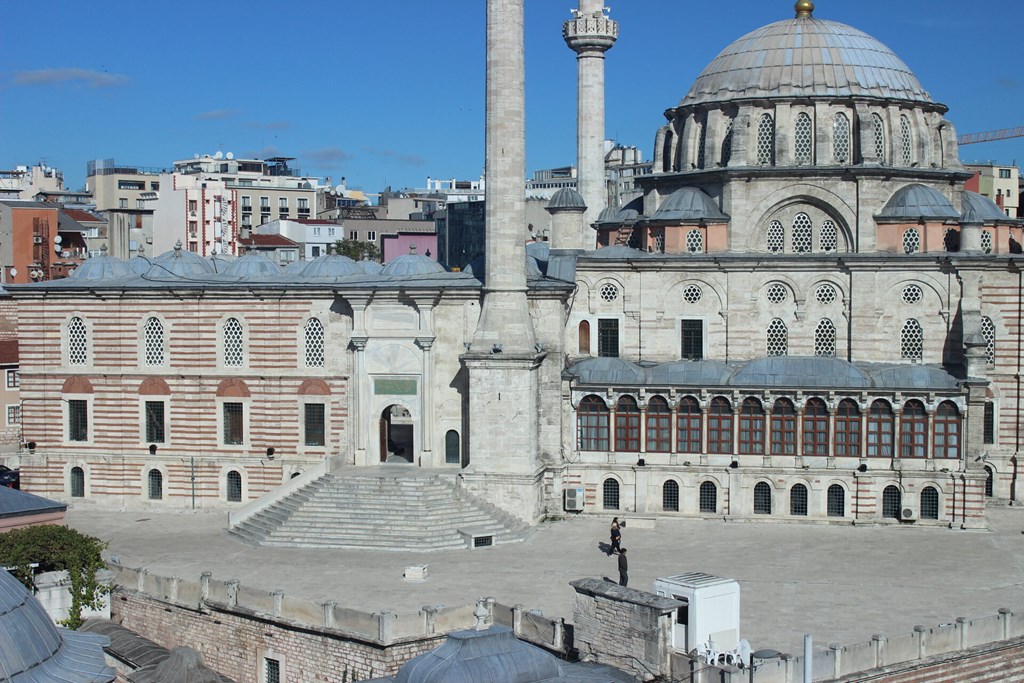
{"points": [[805, 317]]}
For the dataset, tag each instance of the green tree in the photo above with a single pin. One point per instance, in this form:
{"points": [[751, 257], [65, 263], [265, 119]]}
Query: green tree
{"points": [[357, 250], [58, 548]]}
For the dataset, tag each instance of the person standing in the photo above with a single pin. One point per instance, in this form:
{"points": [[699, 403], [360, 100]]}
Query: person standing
{"points": [[616, 535], [623, 568]]}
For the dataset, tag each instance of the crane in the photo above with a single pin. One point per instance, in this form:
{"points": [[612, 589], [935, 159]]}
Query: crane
{"points": [[989, 136]]}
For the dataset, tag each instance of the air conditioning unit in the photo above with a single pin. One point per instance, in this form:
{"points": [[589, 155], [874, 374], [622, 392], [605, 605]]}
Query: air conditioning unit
{"points": [[573, 499], [908, 514], [38, 239]]}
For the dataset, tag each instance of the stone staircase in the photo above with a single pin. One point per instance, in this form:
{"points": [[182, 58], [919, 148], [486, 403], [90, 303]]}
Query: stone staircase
{"points": [[391, 507]]}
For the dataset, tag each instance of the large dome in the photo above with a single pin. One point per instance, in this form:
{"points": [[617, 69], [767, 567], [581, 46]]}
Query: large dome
{"points": [[806, 57]]}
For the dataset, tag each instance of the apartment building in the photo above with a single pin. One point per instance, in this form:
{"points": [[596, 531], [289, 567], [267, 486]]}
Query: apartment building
{"points": [[1000, 183]]}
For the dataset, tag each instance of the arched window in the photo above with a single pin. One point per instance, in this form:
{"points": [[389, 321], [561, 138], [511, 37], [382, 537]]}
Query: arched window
{"points": [[912, 340], [825, 339], [892, 501], [776, 237], [751, 427], [452, 448], [702, 141], [913, 430], [720, 426], [708, 499], [951, 240], [314, 336], [879, 128], [727, 144], [988, 333], [694, 242], [762, 499], [847, 442], [234, 343], [777, 338], [841, 139], [907, 140], [803, 139], [929, 503], [610, 494], [155, 488], [946, 438], [989, 482], [828, 238], [670, 496], [798, 500], [802, 234], [659, 426], [911, 241], [688, 426], [766, 141], [592, 424], [881, 427], [783, 427], [78, 342], [584, 347], [234, 485], [77, 482], [153, 338], [815, 427], [836, 502], [627, 425]]}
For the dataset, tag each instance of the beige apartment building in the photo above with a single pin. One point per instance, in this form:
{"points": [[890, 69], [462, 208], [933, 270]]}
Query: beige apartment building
{"points": [[116, 186], [1001, 184]]}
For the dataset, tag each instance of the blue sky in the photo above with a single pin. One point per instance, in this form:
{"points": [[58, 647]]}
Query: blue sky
{"points": [[391, 92]]}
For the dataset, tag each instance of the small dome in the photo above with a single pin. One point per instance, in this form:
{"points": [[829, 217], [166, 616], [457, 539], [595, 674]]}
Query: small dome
{"points": [[689, 204], [295, 268], [980, 209], [538, 250], [102, 268], [139, 264], [412, 264], [331, 265], [179, 263], [567, 199], [370, 267], [608, 215], [916, 201], [254, 266]]}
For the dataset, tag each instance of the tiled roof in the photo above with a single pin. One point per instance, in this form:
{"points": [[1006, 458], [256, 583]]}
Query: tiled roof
{"points": [[257, 240], [80, 216]]}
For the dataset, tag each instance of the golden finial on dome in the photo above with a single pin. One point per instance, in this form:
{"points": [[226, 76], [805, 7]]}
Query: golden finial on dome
{"points": [[804, 8]]}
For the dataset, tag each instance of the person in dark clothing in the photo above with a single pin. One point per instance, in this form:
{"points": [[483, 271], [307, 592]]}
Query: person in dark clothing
{"points": [[616, 535], [623, 568]]}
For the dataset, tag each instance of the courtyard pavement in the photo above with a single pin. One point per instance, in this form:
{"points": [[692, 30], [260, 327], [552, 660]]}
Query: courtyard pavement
{"points": [[838, 583]]}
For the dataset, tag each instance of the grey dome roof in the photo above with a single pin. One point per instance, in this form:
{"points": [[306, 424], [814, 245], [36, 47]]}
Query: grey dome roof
{"points": [[796, 371], [102, 268], [608, 214], [539, 250], [181, 263], [980, 209], [567, 199], [607, 371], [917, 201], [689, 204], [331, 265], [412, 264], [139, 264], [370, 267], [806, 57], [889, 376], [295, 267], [690, 373], [254, 266], [629, 212]]}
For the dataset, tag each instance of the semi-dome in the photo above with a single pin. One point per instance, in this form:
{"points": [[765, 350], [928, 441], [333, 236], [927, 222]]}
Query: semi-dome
{"points": [[689, 204], [980, 209], [915, 202], [102, 268], [253, 266], [805, 57], [331, 265], [412, 264], [181, 263]]}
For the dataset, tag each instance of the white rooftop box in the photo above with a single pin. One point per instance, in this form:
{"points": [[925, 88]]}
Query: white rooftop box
{"points": [[711, 610]]}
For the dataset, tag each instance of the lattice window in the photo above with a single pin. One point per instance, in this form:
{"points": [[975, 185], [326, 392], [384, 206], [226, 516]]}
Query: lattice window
{"points": [[708, 497], [762, 499], [912, 294], [776, 293], [766, 141], [659, 240], [879, 128], [803, 139], [907, 140], [828, 238], [153, 333], [841, 138], [314, 342], [912, 340], [610, 497], [986, 241], [802, 234], [825, 294], [77, 482], [78, 342], [702, 141], [825, 339], [592, 419], [836, 501], [951, 240], [155, 485], [892, 501], [778, 338], [988, 332], [847, 437], [727, 144], [929, 503], [695, 242], [609, 292], [234, 487], [776, 237], [670, 496], [911, 241], [692, 294], [798, 500], [234, 343]]}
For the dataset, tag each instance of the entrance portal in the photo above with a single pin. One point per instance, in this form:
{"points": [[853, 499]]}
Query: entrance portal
{"points": [[396, 435]]}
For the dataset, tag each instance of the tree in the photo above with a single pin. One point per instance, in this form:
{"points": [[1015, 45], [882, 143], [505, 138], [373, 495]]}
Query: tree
{"points": [[58, 548], [357, 250]]}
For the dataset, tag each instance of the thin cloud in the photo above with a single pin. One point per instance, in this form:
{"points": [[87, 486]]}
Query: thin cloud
{"points": [[327, 157], [1008, 83], [409, 159], [265, 153], [215, 115], [70, 76], [270, 125]]}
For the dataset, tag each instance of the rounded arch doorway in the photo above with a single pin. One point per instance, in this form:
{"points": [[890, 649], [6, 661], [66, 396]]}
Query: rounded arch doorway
{"points": [[397, 435]]}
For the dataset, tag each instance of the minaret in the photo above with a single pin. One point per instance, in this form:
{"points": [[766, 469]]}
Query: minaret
{"points": [[590, 34]]}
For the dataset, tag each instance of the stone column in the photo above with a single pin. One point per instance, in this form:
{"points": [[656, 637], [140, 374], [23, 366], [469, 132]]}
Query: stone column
{"points": [[590, 34], [427, 403]]}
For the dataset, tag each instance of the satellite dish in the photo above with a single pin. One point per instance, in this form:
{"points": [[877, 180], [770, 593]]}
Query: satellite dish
{"points": [[58, 239], [218, 155], [230, 155], [14, 272]]}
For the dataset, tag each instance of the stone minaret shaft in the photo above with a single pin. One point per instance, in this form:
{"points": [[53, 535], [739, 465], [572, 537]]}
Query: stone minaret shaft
{"points": [[505, 318], [590, 35]]}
